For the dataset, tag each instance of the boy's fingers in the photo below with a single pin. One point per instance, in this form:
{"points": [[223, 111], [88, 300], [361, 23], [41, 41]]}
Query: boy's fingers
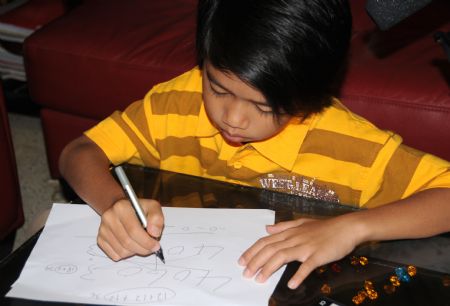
{"points": [[123, 231], [109, 251], [155, 217], [303, 271], [271, 266], [282, 226], [250, 253], [260, 260], [108, 242], [133, 237], [129, 231], [272, 257], [121, 234]]}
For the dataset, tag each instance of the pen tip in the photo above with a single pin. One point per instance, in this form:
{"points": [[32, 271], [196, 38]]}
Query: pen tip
{"points": [[160, 255]]}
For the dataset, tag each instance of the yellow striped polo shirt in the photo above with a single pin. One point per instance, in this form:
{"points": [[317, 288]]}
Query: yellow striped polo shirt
{"points": [[334, 155]]}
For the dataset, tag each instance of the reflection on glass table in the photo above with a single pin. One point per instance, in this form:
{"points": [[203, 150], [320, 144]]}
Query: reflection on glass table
{"points": [[369, 272]]}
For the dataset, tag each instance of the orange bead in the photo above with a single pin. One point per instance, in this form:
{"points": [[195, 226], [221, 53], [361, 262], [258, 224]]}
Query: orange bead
{"points": [[368, 285], [372, 294], [389, 289], [336, 268], [362, 294], [325, 289], [357, 300], [363, 260], [446, 280], [412, 271], [321, 269], [394, 280], [354, 260]]}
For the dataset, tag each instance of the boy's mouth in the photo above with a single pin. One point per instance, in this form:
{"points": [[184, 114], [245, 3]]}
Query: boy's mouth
{"points": [[233, 138]]}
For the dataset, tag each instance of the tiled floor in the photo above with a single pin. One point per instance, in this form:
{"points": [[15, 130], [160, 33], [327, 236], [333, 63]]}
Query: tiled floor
{"points": [[38, 190]]}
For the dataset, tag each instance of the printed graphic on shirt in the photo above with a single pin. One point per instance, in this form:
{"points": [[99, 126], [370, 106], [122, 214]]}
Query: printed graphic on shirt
{"points": [[298, 185]]}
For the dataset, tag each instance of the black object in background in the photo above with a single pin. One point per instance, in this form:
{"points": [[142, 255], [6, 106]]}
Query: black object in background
{"points": [[444, 40], [387, 13]]}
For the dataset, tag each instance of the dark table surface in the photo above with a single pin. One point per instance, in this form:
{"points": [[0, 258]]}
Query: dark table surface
{"points": [[431, 256]]}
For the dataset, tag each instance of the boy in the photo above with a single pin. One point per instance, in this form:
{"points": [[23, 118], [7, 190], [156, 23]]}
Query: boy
{"points": [[260, 111]]}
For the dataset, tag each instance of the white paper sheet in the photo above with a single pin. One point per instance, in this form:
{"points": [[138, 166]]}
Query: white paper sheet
{"points": [[201, 248]]}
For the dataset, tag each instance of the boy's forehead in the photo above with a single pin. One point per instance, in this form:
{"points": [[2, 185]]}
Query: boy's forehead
{"points": [[230, 82], [216, 73]]}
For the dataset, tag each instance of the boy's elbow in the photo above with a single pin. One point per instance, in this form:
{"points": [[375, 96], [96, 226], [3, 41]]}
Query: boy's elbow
{"points": [[72, 154]]}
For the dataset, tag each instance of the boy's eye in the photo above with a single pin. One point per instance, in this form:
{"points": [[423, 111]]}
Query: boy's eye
{"points": [[217, 92], [267, 110]]}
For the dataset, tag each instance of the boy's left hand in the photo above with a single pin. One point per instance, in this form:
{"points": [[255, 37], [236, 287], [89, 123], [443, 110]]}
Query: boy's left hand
{"points": [[312, 242]]}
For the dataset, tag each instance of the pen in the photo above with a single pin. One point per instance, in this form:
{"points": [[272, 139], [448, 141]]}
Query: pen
{"points": [[134, 201]]}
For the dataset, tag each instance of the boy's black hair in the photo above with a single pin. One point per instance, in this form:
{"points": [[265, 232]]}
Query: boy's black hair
{"points": [[290, 50]]}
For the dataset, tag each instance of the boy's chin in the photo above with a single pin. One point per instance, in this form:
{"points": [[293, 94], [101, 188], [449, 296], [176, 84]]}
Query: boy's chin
{"points": [[234, 144]]}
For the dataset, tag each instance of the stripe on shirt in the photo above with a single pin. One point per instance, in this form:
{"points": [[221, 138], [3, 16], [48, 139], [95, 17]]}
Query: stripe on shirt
{"points": [[341, 147], [148, 159], [135, 111], [163, 104], [397, 176], [172, 147]]}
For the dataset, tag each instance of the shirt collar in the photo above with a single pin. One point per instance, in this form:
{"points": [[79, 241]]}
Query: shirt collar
{"points": [[284, 147]]}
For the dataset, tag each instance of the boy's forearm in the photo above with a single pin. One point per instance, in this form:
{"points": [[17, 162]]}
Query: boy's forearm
{"points": [[424, 214], [85, 167]]}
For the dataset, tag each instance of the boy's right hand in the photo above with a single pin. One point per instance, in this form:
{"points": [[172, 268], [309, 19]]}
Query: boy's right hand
{"points": [[121, 235]]}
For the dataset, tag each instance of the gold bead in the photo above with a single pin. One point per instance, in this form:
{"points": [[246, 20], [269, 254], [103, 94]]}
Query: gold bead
{"points": [[368, 285], [357, 299], [412, 271], [363, 260], [372, 294], [325, 289], [362, 294], [394, 280]]}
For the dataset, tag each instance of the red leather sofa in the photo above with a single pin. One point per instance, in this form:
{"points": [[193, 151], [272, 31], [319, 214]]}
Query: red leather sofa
{"points": [[11, 212], [105, 54]]}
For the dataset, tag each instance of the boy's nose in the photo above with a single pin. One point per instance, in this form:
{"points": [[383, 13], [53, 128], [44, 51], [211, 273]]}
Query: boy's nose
{"points": [[235, 115]]}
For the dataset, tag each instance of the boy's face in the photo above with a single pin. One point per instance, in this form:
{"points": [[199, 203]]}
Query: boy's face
{"points": [[238, 111]]}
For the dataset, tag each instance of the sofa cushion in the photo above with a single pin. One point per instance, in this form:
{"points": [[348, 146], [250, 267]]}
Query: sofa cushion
{"points": [[400, 78], [18, 19], [32, 14], [105, 54]]}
